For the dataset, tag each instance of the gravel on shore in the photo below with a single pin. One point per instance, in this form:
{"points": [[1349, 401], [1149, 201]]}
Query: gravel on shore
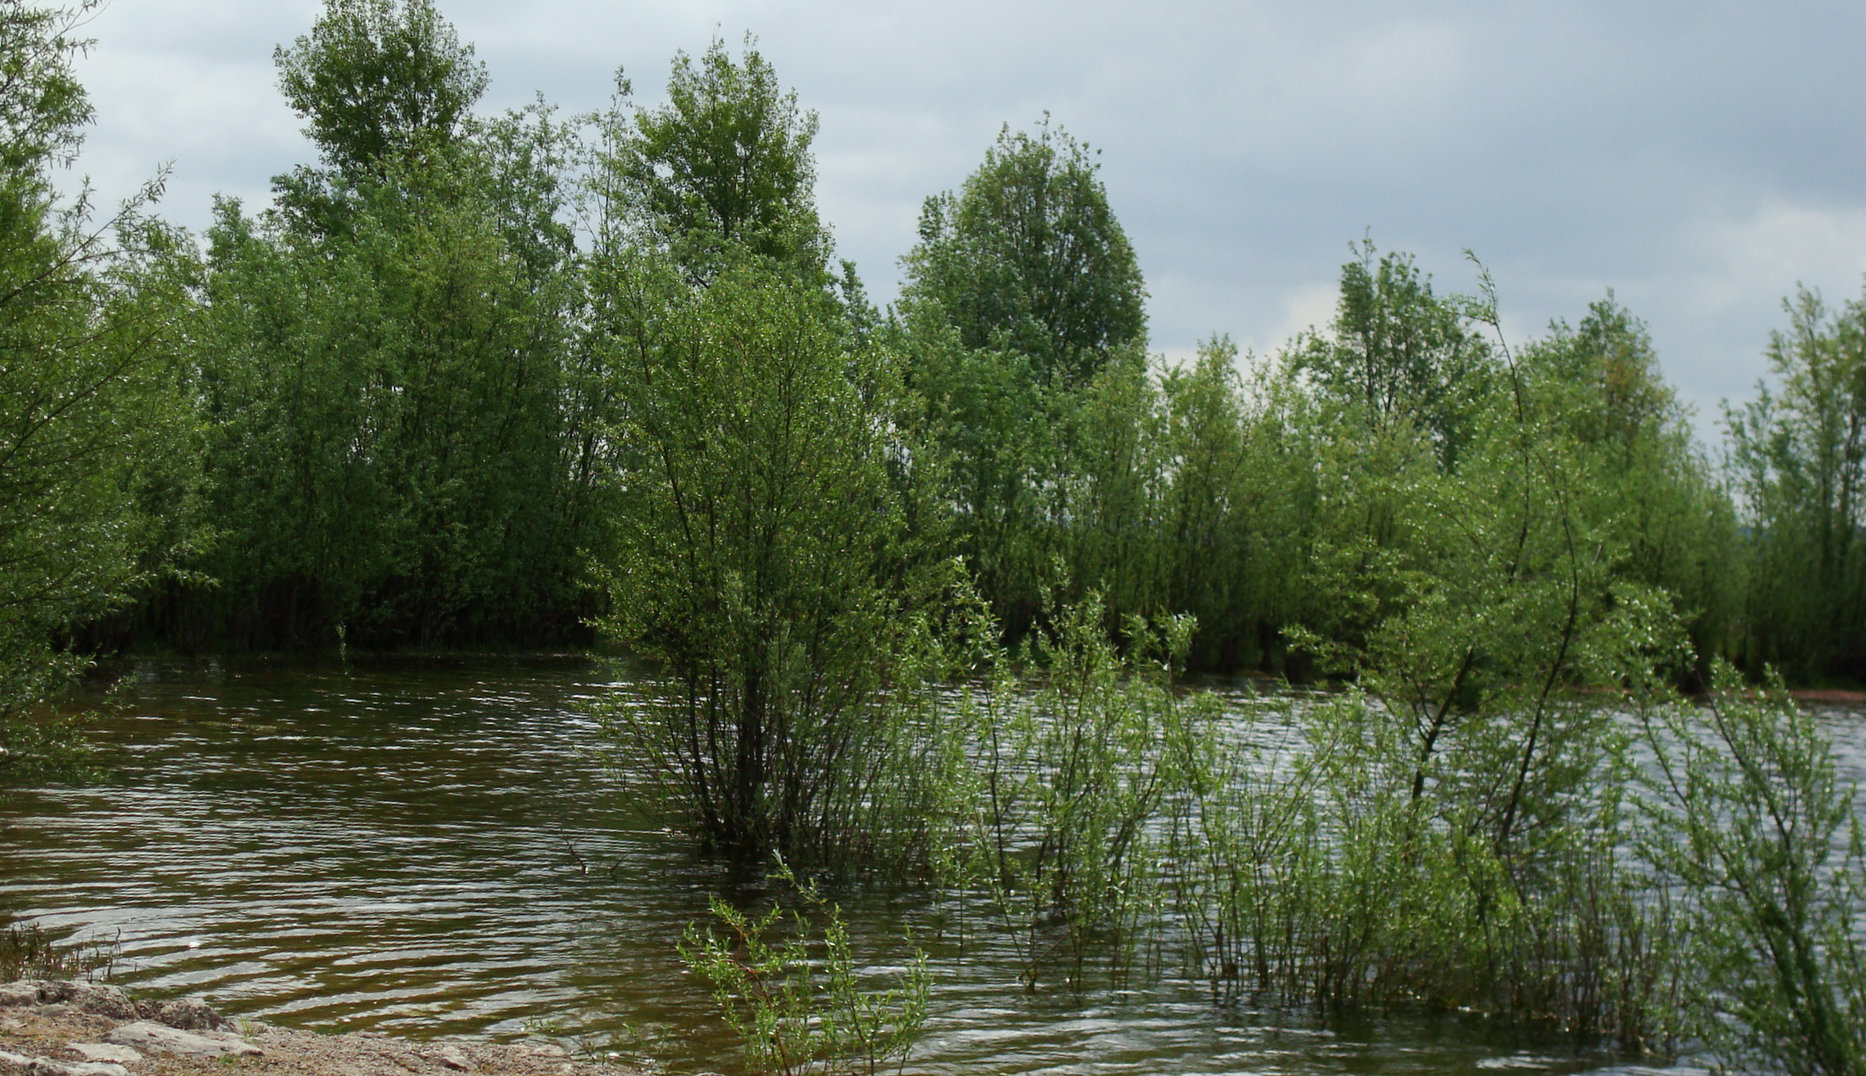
{"points": [[55, 1028]]}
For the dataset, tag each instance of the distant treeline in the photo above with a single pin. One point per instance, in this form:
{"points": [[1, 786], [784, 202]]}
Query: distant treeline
{"points": [[502, 379]]}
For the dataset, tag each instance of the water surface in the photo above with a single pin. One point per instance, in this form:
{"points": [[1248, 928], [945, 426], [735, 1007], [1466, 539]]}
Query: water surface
{"points": [[438, 847]]}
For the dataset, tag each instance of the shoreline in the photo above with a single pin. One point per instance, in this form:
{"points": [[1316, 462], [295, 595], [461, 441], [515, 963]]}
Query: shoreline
{"points": [[77, 1028], [1830, 696]]}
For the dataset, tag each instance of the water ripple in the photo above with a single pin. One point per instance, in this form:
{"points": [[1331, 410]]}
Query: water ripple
{"points": [[439, 849]]}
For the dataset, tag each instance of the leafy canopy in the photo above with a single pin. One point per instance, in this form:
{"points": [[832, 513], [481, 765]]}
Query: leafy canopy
{"points": [[379, 77], [43, 108], [724, 164], [1400, 354], [96, 458], [1798, 457], [1029, 258]]}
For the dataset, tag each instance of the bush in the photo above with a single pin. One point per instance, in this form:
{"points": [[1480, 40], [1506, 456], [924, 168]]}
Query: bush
{"points": [[795, 1011], [1752, 822], [28, 952]]}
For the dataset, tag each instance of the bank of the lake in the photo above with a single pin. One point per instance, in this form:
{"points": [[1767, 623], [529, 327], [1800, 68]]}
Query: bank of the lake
{"points": [[78, 1028]]}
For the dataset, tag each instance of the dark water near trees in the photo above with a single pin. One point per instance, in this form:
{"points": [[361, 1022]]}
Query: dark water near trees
{"points": [[438, 848]]}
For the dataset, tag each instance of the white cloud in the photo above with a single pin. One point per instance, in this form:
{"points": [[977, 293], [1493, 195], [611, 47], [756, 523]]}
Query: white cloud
{"points": [[1780, 245], [1308, 306]]}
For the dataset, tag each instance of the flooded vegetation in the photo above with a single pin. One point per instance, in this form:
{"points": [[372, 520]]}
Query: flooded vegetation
{"points": [[438, 847]]}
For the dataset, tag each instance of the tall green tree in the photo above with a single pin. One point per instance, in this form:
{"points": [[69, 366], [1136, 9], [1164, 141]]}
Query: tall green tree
{"points": [[760, 552], [1601, 379], [1481, 602], [761, 547], [1234, 525], [983, 443], [1106, 498], [375, 78], [1399, 353], [724, 165], [97, 458], [377, 82], [1021, 292], [1028, 258], [391, 372], [1797, 455]]}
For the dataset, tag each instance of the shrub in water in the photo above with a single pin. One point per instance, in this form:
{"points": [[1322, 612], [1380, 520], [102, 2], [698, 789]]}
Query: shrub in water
{"points": [[797, 1001], [1751, 820]]}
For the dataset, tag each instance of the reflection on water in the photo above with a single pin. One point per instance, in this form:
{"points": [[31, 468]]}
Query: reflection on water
{"points": [[436, 848]]}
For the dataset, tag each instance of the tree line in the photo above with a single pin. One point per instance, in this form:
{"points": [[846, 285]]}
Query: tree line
{"points": [[479, 379]]}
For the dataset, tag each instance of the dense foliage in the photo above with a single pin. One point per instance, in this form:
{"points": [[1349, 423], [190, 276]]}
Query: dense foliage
{"points": [[97, 459], [400, 447], [1798, 460], [407, 367]]}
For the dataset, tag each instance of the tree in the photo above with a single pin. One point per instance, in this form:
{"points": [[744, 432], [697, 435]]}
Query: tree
{"points": [[1021, 292], [43, 108], [382, 85], [1798, 459], [392, 427], [1105, 499], [1234, 535], [1398, 353], [377, 78], [1028, 258], [761, 551], [392, 377], [982, 450], [1601, 380], [1480, 603], [724, 165], [97, 463]]}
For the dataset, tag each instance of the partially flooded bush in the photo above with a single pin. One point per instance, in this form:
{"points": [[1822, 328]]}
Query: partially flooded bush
{"points": [[1309, 871], [788, 984], [1234, 833], [27, 951], [1699, 883], [1749, 818], [1067, 780]]}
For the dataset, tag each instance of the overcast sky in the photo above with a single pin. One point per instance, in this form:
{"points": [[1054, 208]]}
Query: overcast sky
{"points": [[1700, 159]]}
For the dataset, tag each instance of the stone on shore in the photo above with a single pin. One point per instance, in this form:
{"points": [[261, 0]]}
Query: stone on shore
{"points": [[147, 1035], [96, 998], [187, 1014], [98, 1051], [12, 1064]]}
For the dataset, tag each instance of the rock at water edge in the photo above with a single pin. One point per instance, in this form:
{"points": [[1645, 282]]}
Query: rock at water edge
{"points": [[163, 1039], [187, 1014], [96, 998]]}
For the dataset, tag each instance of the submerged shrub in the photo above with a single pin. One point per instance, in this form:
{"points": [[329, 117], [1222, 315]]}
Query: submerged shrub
{"points": [[1751, 821], [1064, 784], [788, 985], [28, 952], [1307, 870]]}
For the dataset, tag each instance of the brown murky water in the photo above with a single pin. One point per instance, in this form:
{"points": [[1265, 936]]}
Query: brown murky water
{"points": [[438, 848]]}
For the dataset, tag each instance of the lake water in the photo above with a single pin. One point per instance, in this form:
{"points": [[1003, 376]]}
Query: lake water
{"points": [[437, 847]]}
